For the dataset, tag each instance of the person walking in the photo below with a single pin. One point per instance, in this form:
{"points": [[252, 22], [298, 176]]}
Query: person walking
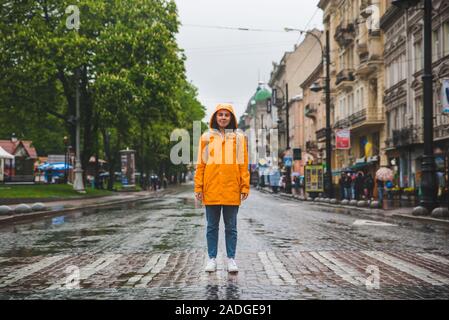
{"points": [[222, 181], [380, 191], [348, 186], [368, 186], [359, 186]]}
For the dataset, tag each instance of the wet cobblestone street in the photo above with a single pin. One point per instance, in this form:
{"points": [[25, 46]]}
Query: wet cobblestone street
{"points": [[155, 249]]}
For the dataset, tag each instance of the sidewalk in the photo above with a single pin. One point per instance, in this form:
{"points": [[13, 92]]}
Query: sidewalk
{"points": [[65, 206], [398, 215]]}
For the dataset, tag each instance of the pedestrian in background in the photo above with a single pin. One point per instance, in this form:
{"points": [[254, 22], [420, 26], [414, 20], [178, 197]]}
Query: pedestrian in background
{"points": [[359, 186], [353, 192], [347, 183], [368, 186], [274, 180], [222, 186], [296, 184], [380, 191]]}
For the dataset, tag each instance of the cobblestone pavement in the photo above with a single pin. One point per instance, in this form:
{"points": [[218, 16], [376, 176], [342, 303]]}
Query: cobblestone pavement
{"points": [[155, 249]]}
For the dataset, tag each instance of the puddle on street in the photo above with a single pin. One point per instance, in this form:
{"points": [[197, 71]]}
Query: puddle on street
{"points": [[163, 225]]}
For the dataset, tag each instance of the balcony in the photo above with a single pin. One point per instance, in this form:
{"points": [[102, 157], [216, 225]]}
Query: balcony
{"points": [[344, 34], [361, 119], [357, 117], [370, 57], [404, 137], [321, 134], [441, 131], [342, 123], [310, 111], [345, 79]]}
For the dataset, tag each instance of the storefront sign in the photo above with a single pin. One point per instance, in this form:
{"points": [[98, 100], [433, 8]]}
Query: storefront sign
{"points": [[343, 139], [314, 177], [445, 96]]}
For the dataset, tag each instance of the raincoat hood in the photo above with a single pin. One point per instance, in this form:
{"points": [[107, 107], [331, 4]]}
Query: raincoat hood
{"points": [[223, 106]]}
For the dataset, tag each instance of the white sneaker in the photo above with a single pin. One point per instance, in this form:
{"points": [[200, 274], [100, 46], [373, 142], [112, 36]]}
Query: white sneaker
{"points": [[232, 266], [211, 265]]}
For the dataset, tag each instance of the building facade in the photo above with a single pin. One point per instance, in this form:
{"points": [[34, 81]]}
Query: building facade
{"points": [[357, 81], [403, 95], [294, 68]]}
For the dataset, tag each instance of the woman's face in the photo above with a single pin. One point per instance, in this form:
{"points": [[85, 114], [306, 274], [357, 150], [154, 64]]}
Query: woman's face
{"points": [[223, 118]]}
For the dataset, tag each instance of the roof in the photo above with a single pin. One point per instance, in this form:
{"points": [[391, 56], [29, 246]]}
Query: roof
{"points": [[262, 95], [5, 155], [11, 147]]}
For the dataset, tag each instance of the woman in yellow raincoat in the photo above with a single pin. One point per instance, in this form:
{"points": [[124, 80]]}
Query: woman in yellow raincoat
{"points": [[222, 180]]}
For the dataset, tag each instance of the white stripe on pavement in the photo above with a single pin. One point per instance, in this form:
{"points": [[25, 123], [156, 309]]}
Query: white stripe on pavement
{"points": [[161, 263], [339, 268], [275, 269], [408, 268], [87, 271], [144, 270], [30, 269], [434, 258]]}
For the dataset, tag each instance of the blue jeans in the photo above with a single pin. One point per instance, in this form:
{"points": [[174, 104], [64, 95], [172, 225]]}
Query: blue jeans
{"points": [[380, 191], [348, 193], [213, 214]]}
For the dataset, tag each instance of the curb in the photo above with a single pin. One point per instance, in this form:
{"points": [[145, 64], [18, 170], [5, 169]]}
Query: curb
{"points": [[366, 212], [8, 219]]}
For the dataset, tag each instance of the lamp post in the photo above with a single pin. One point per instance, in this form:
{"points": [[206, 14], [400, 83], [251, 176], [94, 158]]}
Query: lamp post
{"points": [[325, 55], [66, 143], [288, 182], [428, 181], [78, 184]]}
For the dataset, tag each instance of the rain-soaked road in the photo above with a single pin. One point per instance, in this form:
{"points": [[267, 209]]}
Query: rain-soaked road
{"points": [[156, 250]]}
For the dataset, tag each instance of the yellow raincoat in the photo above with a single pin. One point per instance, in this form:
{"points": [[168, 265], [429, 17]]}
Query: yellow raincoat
{"points": [[222, 168]]}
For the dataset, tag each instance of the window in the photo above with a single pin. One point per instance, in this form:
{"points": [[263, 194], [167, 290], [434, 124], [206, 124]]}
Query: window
{"points": [[446, 38], [404, 67], [419, 111], [436, 45], [351, 103], [376, 143], [362, 98], [396, 120], [418, 56]]}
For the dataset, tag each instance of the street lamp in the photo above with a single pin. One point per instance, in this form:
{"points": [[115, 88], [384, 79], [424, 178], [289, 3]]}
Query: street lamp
{"points": [[288, 183], [428, 181], [325, 57], [66, 144], [78, 184]]}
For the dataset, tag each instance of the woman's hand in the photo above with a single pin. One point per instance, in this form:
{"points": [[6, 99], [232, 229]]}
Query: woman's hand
{"points": [[199, 196], [244, 196]]}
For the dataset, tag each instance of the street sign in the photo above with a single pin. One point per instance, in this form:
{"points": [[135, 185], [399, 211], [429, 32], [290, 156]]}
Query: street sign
{"points": [[269, 106], [297, 154], [314, 177]]}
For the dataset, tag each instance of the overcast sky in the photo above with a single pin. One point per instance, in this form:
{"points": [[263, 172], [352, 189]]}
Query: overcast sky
{"points": [[226, 65]]}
